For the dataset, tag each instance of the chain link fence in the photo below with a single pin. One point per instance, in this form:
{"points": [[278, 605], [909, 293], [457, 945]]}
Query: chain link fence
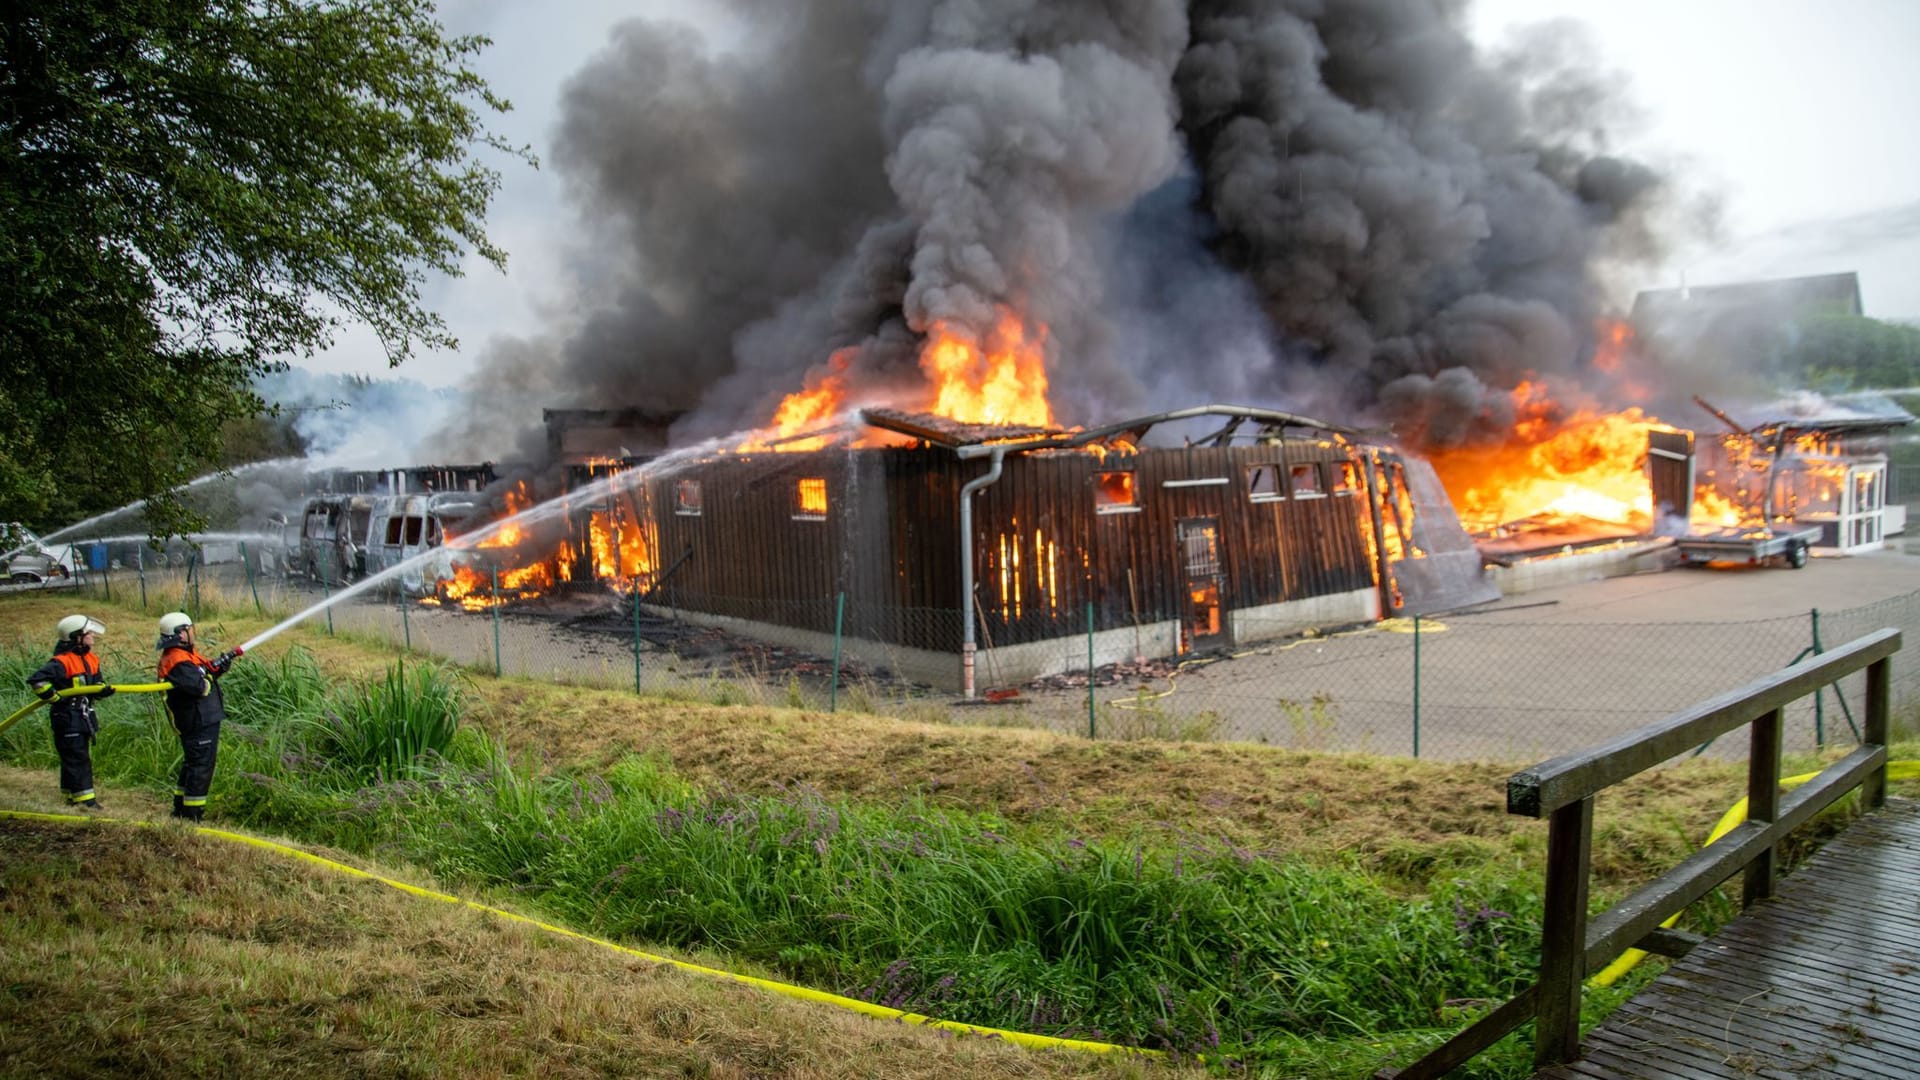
{"points": [[1501, 684]]}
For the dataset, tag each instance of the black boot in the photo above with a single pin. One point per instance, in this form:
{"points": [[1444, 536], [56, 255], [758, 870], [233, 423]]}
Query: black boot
{"points": [[179, 806], [193, 813]]}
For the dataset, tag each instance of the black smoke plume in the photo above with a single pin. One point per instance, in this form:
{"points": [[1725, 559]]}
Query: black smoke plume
{"points": [[1340, 207]]}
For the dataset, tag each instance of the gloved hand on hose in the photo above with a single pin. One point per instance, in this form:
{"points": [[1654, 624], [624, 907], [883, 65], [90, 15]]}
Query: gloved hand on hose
{"points": [[45, 692], [224, 661], [105, 692]]}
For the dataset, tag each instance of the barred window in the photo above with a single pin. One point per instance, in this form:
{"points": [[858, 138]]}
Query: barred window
{"points": [[810, 499], [686, 498]]}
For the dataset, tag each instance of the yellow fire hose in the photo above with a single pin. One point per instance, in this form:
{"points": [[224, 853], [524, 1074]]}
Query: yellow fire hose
{"points": [[1736, 814], [82, 691]]}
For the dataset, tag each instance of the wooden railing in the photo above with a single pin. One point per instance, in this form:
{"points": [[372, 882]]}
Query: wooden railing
{"points": [[1563, 790]]}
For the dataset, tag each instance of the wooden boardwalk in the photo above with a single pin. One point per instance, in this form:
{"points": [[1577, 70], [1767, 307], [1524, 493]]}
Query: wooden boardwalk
{"points": [[1822, 981]]}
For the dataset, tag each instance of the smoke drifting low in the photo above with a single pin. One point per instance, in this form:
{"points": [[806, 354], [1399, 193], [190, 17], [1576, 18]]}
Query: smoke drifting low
{"points": [[1340, 207]]}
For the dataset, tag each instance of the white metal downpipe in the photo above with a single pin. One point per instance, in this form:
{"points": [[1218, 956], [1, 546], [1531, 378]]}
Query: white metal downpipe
{"points": [[966, 566]]}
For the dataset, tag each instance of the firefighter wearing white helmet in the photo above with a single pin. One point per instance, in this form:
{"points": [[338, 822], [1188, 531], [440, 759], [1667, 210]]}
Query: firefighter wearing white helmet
{"points": [[195, 707], [74, 721]]}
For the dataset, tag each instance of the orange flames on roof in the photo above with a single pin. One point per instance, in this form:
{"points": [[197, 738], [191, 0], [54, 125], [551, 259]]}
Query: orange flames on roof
{"points": [[999, 380]]}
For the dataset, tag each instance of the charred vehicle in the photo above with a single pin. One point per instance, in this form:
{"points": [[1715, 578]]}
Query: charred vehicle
{"points": [[333, 538], [406, 526], [32, 561]]}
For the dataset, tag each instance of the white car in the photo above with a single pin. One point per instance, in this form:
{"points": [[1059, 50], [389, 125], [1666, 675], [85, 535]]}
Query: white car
{"points": [[32, 562]]}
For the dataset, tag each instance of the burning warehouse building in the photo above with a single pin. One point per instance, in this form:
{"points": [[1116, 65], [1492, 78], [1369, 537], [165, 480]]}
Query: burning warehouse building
{"points": [[962, 554]]}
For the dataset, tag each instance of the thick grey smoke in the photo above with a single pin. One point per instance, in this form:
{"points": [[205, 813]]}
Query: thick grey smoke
{"points": [[1428, 222], [1336, 207]]}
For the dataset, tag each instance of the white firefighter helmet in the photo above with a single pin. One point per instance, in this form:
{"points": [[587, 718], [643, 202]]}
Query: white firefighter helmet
{"points": [[71, 627], [173, 622]]}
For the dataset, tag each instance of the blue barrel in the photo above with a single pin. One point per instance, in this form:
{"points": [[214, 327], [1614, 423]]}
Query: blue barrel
{"points": [[97, 556]]}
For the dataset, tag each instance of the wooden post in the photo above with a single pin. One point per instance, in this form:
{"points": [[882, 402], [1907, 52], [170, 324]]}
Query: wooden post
{"points": [[1873, 790], [1763, 803], [1563, 933]]}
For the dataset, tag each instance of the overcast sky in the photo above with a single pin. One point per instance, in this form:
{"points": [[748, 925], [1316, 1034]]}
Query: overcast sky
{"points": [[1799, 114]]}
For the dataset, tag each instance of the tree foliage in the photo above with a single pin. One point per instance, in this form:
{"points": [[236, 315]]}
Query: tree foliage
{"points": [[1846, 352], [194, 191]]}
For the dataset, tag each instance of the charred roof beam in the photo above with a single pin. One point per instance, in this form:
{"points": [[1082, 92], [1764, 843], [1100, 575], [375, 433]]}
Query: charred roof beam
{"points": [[1271, 419]]}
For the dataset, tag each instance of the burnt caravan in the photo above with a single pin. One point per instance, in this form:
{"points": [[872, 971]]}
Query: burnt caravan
{"points": [[967, 553], [332, 544], [406, 526]]}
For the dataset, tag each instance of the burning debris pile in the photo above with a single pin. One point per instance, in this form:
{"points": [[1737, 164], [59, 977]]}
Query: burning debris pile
{"points": [[606, 544]]}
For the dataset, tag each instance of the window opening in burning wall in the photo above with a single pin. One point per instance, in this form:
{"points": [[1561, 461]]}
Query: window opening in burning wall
{"points": [[1263, 483], [810, 499], [1113, 493], [405, 530], [1346, 478], [1304, 482], [686, 498]]}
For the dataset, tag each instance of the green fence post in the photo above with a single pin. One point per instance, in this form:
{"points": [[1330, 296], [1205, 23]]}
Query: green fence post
{"points": [[839, 619], [497, 669], [140, 568], [1416, 686], [193, 581], [326, 592], [1819, 693], [106, 576], [1093, 730], [406, 623], [247, 565], [635, 597]]}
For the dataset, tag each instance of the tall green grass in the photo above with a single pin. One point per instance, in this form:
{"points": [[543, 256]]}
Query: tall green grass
{"points": [[399, 726]]}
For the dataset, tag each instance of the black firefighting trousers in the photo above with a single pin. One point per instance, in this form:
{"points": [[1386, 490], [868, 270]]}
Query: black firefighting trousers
{"points": [[199, 745], [73, 741]]}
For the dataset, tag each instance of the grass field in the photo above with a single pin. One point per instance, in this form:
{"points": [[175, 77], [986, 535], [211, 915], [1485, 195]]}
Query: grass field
{"points": [[1303, 914]]}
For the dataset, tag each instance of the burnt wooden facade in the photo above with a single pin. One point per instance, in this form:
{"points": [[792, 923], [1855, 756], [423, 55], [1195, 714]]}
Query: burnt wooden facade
{"points": [[1225, 528]]}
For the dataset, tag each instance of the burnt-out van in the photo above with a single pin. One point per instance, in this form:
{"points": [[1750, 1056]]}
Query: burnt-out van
{"points": [[405, 526], [333, 538]]}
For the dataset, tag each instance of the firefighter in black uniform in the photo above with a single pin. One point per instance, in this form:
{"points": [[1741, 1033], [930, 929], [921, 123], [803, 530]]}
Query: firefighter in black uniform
{"points": [[193, 703], [74, 721]]}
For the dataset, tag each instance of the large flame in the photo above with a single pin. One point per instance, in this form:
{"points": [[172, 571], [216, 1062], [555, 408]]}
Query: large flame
{"points": [[823, 396], [1556, 468], [618, 548], [475, 590], [1001, 379]]}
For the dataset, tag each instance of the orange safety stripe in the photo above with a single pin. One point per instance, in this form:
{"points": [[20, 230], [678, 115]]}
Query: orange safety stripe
{"points": [[78, 664], [174, 657]]}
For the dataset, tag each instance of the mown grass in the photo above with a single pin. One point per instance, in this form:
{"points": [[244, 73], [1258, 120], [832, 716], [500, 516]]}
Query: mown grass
{"points": [[155, 952]]}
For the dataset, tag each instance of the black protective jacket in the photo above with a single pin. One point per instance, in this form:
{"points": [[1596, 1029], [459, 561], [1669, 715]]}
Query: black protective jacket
{"points": [[72, 665], [193, 696]]}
